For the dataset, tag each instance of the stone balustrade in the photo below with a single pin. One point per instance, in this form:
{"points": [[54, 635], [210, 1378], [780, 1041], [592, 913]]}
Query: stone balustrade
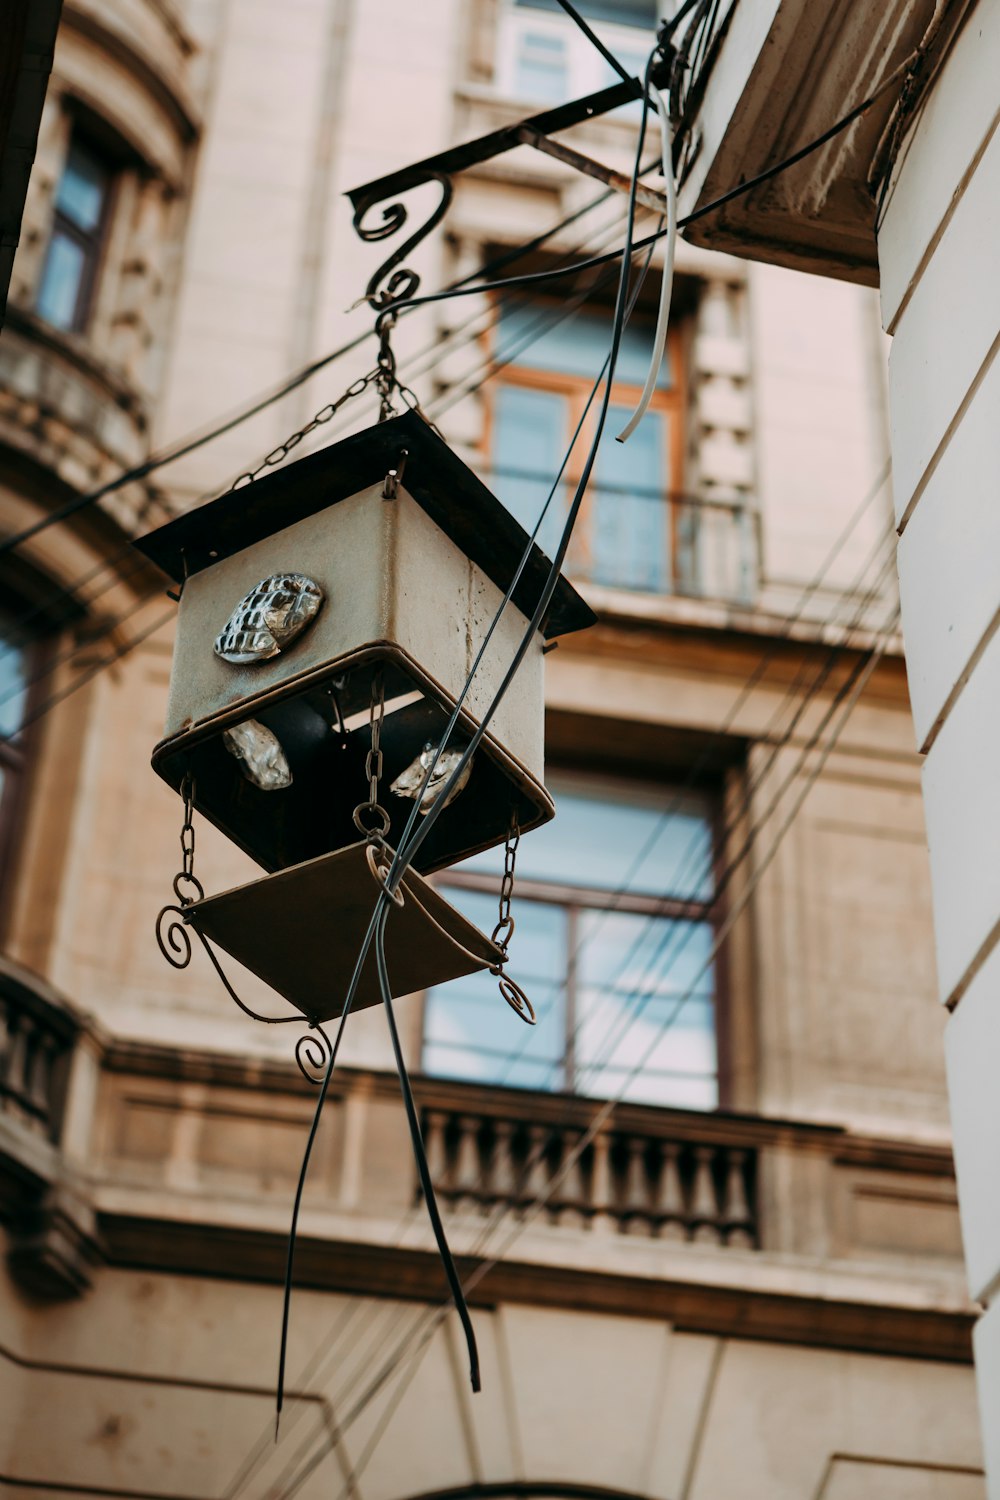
{"points": [[642, 1172], [36, 1044]]}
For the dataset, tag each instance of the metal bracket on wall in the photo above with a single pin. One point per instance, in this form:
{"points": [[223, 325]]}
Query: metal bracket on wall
{"points": [[393, 282]]}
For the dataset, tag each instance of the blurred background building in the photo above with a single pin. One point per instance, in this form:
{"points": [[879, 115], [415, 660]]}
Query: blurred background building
{"points": [[750, 1282]]}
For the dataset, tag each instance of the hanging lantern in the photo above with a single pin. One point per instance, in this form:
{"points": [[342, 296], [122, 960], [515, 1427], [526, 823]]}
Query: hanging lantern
{"points": [[297, 589], [369, 570]]}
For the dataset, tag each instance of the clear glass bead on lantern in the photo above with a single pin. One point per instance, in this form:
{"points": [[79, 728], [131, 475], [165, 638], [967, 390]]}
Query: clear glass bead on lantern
{"points": [[409, 782], [259, 752]]}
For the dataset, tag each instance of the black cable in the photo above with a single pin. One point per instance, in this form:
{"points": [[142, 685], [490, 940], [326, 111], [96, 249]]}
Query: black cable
{"points": [[420, 1156], [403, 856], [170, 455], [595, 41], [837, 547], [599, 1119], [534, 277]]}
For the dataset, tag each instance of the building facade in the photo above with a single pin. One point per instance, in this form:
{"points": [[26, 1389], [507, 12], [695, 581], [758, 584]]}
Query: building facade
{"points": [[707, 1205]]}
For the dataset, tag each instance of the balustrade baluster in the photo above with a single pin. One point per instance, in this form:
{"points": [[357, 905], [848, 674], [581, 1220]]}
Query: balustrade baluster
{"points": [[467, 1177], [704, 1203], [669, 1205], [40, 1078], [536, 1169], [7, 1027], [436, 1147], [602, 1197], [16, 1080], [503, 1176], [635, 1208], [737, 1219], [571, 1203]]}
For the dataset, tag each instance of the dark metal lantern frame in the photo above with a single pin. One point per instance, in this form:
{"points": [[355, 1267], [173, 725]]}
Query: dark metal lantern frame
{"points": [[301, 701]]}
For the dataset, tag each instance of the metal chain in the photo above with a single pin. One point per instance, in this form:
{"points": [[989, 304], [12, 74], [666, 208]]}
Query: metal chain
{"points": [[371, 810], [504, 930], [385, 377], [185, 881], [325, 413]]}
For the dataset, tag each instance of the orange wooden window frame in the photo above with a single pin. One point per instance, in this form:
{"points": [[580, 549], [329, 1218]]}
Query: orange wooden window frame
{"points": [[671, 402]]}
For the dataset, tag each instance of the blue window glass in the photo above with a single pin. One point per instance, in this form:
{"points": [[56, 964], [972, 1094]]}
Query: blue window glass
{"points": [[540, 67], [621, 12], [548, 361], [14, 661], [70, 269], [613, 943]]}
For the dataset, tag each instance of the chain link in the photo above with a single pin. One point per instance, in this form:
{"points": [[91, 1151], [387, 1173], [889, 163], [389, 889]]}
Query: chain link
{"points": [[385, 378], [325, 414], [504, 930], [185, 881], [369, 817]]}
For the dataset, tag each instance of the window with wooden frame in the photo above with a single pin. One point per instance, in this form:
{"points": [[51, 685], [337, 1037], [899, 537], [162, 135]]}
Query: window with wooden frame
{"points": [[21, 657], [72, 262], [630, 530], [615, 917]]}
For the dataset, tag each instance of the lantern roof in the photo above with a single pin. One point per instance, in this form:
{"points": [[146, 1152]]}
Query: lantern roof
{"points": [[445, 487]]}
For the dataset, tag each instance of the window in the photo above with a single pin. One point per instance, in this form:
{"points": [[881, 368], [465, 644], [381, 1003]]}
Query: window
{"points": [[630, 534], [18, 664], [70, 272], [611, 976], [543, 58]]}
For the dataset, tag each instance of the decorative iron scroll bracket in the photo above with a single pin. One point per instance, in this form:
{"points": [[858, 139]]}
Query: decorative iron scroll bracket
{"points": [[393, 282]]}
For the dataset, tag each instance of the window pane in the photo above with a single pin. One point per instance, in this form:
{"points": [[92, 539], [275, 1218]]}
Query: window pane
{"points": [[60, 288], [631, 514], [82, 188], [469, 1031], [540, 70], [13, 679], [645, 1001], [623, 12], [528, 448], [656, 842], [577, 344]]}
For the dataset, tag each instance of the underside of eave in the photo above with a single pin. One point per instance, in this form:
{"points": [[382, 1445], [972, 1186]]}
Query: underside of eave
{"points": [[819, 215]]}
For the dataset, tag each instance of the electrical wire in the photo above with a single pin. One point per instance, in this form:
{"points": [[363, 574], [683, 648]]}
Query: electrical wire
{"points": [[171, 455], [860, 678], [412, 838], [595, 41], [327, 1351], [437, 347], [535, 278], [667, 275], [203, 436]]}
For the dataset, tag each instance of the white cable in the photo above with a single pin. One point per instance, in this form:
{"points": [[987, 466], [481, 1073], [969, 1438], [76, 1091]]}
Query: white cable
{"points": [[666, 285]]}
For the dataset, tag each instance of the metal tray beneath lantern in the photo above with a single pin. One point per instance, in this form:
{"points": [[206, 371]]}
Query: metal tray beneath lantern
{"points": [[301, 932]]}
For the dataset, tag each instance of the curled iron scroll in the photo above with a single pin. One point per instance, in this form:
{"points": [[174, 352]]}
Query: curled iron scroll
{"points": [[401, 283], [312, 1050], [173, 938], [517, 999]]}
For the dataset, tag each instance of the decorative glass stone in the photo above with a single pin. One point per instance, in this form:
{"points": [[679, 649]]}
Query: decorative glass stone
{"points": [[269, 618], [409, 782], [259, 752]]}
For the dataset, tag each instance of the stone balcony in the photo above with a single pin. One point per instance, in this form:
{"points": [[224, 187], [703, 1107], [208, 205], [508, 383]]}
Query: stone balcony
{"points": [[145, 1156]]}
